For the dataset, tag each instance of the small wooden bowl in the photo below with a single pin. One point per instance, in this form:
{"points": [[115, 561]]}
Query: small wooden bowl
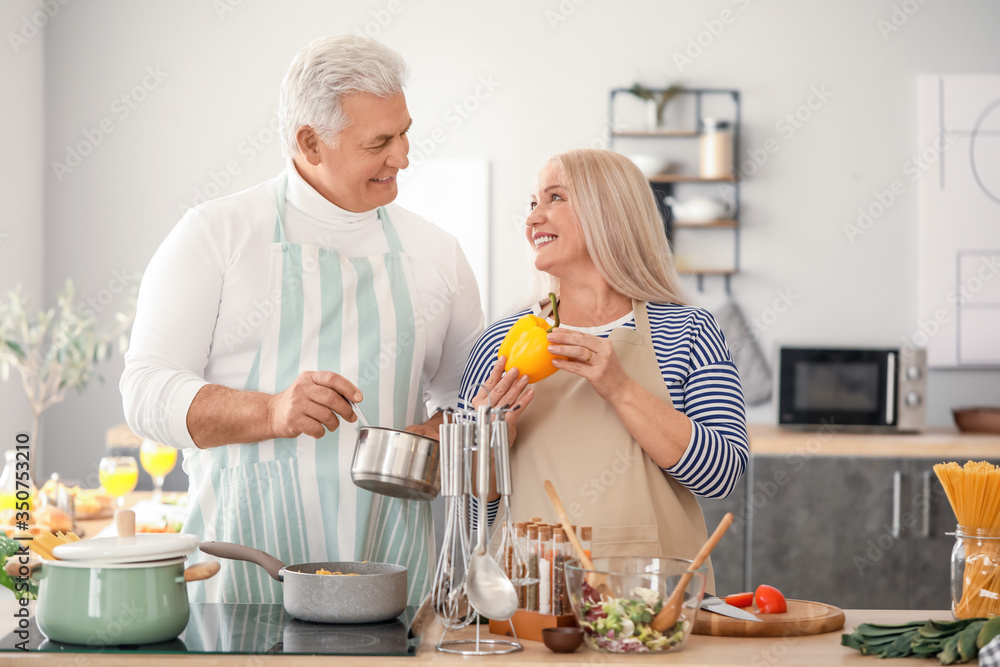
{"points": [[977, 420], [562, 640]]}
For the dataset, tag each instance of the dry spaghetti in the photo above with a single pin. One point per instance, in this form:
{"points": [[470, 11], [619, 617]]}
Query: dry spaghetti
{"points": [[974, 493], [44, 541]]}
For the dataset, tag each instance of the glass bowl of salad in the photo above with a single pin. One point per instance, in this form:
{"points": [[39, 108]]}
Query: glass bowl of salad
{"points": [[615, 603]]}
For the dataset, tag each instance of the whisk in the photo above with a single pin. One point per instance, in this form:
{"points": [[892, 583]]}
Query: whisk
{"points": [[510, 554], [447, 593]]}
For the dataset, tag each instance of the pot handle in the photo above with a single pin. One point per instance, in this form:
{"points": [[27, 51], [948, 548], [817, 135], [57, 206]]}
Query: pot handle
{"points": [[201, 571], [30, 566], [239, 552]]}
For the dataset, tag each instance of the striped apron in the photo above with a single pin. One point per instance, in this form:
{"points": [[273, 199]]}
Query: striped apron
{"points": [[293, 498]]}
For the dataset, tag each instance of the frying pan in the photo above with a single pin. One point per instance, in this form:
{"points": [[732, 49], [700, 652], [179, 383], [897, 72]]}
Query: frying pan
{"points": [[376, 594]]}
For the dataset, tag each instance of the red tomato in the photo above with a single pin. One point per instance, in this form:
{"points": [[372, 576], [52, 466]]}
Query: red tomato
{"points": [[770, 600], [740, 599]]}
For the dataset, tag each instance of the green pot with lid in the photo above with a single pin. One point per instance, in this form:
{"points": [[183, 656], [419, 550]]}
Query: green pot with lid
{"points": [[118, 590]]}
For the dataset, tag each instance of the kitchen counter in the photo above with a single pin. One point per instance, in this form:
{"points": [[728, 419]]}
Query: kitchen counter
{"points": [[944, 444], [813, 651]]}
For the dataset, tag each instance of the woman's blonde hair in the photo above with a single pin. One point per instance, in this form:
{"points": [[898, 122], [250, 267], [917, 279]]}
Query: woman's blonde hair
{"points": [[621, 224]]}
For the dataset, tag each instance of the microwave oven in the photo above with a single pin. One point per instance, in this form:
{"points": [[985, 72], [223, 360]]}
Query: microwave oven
{"points": [[858, 389]]}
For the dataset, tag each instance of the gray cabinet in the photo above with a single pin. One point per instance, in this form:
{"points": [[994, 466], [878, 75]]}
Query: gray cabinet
{"points": [[856, 532], [824, 529], [728, 557]]}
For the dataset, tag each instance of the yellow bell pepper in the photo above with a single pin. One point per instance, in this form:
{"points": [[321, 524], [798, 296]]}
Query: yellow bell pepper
{"points": [[526, 347]]}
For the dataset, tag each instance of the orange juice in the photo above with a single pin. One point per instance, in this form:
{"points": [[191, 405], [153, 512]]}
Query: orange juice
{"points": [[158, 462], [119, 482], [8, 500]]}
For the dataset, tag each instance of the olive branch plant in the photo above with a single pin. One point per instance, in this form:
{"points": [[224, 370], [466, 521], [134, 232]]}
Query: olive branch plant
{"points": [[661, 97], [58, 349]]}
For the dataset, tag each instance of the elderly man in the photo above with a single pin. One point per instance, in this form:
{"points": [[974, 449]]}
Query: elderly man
{"points": [[264, 313]]}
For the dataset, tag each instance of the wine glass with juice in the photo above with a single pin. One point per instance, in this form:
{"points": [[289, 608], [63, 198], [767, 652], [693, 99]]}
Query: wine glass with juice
{"points": [[157, 460], [118, 475]]}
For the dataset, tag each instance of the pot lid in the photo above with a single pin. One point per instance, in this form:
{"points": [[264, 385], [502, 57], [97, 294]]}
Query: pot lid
{"points": [[138, 549], [105, 565]]}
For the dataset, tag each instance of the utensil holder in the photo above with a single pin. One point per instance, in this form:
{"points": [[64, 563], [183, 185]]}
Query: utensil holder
{"points": [[460, 485]]}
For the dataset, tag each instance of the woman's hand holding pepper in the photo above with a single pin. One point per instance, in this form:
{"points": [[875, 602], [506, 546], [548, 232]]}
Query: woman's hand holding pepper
{"points": [[592, 358], [505, 390]]}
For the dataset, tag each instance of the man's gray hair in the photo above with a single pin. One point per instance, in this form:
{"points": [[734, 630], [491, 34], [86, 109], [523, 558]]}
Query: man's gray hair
{"points": [[321, 73]]}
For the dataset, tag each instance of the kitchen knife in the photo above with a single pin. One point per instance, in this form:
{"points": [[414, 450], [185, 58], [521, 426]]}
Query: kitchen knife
{"points": [[719, 606]]}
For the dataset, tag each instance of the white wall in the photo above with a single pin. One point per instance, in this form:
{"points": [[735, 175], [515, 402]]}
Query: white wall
{"points": [[22, 138], [551, 64]]}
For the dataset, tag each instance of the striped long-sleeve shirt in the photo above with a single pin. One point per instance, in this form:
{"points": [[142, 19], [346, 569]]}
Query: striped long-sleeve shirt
{"points": [[700, 375]]}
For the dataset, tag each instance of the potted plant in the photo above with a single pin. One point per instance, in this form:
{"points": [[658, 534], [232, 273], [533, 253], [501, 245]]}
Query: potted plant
{"points": [[657, 98], [57, 350]]}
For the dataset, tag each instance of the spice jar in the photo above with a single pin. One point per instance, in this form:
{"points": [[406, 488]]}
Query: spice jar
{"points": [[560, 553], [521, 535], [585, 536], [545, 570], [975, 572], [531, 594], [716, 149]]}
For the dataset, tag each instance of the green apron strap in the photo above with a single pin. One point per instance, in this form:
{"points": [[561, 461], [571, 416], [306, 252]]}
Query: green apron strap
{"points": [[391, 237]]}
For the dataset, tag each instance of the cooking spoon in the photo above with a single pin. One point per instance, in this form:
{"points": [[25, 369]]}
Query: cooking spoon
{"points": [[488, 588], [595, 579], [672, 607]]}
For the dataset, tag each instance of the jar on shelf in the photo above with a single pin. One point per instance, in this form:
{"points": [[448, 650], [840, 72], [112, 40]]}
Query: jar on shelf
{"points": [[716, 149], [975, 572]]}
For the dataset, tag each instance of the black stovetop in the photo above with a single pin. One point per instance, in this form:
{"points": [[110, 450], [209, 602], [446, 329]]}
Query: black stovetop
{"points": [[257, 629]]}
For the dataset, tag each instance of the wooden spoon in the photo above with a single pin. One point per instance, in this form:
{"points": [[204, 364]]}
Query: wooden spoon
{"points": [[672, 607], [595, 579]]}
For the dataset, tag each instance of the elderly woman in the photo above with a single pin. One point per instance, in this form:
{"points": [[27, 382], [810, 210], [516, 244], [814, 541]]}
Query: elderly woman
{"points": [[646, 411]]}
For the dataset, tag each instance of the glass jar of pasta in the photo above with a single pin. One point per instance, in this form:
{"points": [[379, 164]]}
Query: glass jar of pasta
{"points": [[975, 572]]}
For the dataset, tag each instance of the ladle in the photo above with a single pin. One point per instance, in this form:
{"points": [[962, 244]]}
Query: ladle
{"points": [[489, 590], [672, 607]]}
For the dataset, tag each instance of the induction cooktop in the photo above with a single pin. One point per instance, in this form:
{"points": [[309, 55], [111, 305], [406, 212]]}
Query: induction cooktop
{"points": [[256, 629]]}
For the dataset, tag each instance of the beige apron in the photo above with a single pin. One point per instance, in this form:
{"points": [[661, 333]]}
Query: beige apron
{"points": [[572, 436]]}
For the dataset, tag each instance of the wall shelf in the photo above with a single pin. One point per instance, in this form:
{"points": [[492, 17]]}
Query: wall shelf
{"points": [[685, 178], [672, 134], [666, 184], [717, 224]]}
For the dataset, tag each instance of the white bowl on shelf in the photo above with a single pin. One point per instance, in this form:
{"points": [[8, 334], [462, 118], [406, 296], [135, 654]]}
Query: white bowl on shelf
{"points": [[697, 210], [650, 165]]}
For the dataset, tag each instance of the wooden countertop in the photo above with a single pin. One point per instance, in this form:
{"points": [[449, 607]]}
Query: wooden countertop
{"points": [[944, 444], [814, 651]]}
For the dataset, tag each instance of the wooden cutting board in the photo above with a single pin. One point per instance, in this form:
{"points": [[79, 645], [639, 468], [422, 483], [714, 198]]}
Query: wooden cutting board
{"points": [[802, 618]]}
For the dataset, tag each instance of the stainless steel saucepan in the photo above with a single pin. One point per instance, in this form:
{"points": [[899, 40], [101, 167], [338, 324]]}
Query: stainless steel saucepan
{"points": [[365, 593], [395, 463]]}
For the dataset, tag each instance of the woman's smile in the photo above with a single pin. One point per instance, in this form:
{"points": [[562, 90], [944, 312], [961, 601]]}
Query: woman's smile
{"points": [[543, 239]]}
